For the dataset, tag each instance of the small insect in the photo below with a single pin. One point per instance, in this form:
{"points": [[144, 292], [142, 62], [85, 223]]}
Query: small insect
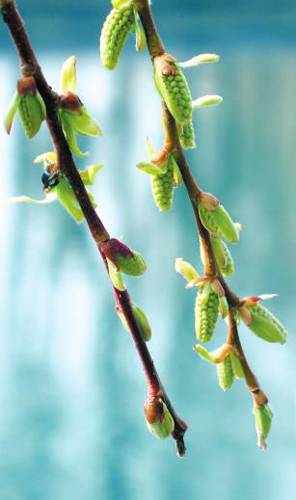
{"points": [[49, 180]]}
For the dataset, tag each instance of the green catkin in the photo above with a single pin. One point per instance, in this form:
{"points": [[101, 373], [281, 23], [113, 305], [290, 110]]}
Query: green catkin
{"points": [[206, 313], [175, 92], [187, 135], [162, 187], [114, 33], [223, 256], [225, 373], [134, 266]]}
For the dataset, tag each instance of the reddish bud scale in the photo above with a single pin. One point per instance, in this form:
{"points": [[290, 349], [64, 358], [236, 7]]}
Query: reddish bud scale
{"points": [[114, 33], [125, 260]]}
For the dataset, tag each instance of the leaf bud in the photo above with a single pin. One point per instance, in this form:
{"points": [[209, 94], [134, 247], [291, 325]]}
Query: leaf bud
{"points": [[223, 256], [237, 366], [207, 100], [159, 420], [30, 105], [124, 259], [217, 221], [216, 356], [186, 269], [141, 319], [261, 321], [75, 118], [200, 59], [263, 419]]}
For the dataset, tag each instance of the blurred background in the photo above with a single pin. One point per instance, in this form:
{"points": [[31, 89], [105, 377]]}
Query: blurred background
{"points": [[71, 384]]}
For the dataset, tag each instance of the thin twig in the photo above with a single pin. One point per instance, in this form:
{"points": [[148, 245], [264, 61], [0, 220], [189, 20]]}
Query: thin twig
{"points": [[171, 137]]}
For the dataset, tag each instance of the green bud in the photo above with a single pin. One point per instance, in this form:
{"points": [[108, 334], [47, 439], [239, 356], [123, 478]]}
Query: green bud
{"points": [[237, 366], [162, 187], [30, 105], [206, 312], [141, 319], [88, 175], [223, 307], [178, 179], [135, 265], [265, 325], [200, 59], [117, 282], [125, 260], [225, 373], [263, 418], [150, 168], [68, 76], [216, 356], [186, 269], [68, 199], [75, 118], [173, 88], [218, 222], [207, 100], [187, 135], [116, 28], [142, 322], [159, 420], [140, 35], [223, 256], [204, 353]]}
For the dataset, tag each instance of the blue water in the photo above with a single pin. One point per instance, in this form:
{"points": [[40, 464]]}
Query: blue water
{"points": [[71, 385]]}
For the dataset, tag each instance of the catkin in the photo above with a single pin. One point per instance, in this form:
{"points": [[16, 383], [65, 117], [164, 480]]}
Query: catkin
{"points": [[162, 187], [114, 33], [175, 92], [225, 373], [206, 313], [187, 135]]}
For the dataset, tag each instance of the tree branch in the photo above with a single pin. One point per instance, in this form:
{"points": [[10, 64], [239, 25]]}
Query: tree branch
{"points": [[171, 137], [29, 66]]}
